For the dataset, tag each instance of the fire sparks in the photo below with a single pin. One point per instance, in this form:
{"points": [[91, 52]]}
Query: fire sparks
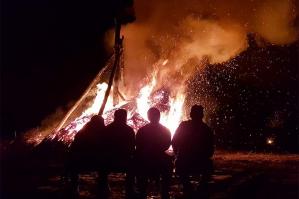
{"points": [[165, 62]]}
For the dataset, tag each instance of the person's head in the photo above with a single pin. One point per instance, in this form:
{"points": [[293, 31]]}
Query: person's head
{"points": [[120, 116], [196, 112], [153, 115], [97, 120]]}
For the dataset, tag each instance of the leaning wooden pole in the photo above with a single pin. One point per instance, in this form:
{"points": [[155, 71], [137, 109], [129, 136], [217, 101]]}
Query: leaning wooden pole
{"points": [[117, 51]]}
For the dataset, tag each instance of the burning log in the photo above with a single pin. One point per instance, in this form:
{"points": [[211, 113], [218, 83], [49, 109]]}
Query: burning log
{"points": [[160, 99], [115, 69]]}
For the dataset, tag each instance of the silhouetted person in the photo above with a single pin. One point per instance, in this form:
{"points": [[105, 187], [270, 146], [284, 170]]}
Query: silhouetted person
{"points": [[86, 151], [120, 145], [193, 145], [152, 141]]}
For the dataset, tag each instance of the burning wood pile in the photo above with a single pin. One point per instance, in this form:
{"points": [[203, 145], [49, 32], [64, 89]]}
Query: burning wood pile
{"points": [[150, 95], [171, 111]]}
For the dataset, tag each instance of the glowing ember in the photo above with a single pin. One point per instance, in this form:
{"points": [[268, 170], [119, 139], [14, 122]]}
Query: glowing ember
{"points": [[165, 62], [270, 141]]}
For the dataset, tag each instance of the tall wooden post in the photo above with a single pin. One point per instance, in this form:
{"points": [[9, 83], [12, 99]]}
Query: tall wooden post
{"points": [[117, 52]]}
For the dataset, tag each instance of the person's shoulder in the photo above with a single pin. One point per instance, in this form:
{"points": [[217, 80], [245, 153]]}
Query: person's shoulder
{"points": [[129, 129], [185, 123], [147, 126], [110, 128], [111, 125], [205, 125], [143, 128], [164, 128]]}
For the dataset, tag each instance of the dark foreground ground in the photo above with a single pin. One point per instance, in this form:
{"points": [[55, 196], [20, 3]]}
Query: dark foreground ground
{"points": [[237, 175]]}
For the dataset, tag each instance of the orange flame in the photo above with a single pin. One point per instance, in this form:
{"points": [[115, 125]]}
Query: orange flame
{"points": [[170, 116]]}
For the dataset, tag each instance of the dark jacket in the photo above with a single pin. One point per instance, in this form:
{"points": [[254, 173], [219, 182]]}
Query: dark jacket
{"points": [[193, 144], [86, 149], [120, 144], [152, 141]]}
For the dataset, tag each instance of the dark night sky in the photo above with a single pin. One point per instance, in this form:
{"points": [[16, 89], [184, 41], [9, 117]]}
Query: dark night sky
{"points": [[50, 52]]}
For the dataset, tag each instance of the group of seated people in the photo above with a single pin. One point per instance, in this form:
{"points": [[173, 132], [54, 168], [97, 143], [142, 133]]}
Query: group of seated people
{"points": [[116, 148]]}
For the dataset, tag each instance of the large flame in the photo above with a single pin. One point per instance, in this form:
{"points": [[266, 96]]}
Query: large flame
{"points": [[169, 118], [151, 94]]}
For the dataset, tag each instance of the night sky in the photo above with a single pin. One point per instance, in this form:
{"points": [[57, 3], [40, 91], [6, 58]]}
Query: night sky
{"points": [[51, 50]]}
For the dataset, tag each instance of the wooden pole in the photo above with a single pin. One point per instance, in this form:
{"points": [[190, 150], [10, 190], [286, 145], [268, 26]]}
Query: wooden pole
{"points": [[117, 50]]}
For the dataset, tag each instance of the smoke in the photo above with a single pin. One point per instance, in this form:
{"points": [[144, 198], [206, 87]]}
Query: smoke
{"points": [[188, 32], [47, 126]]}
